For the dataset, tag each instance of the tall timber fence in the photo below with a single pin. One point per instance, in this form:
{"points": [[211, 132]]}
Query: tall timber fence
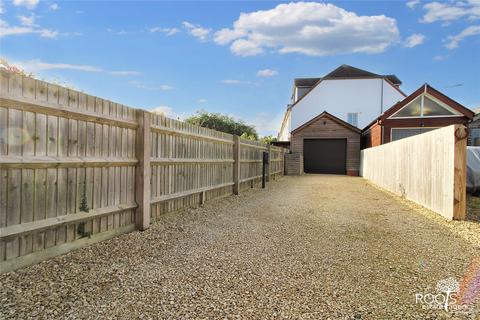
{"points": [[76, 169], [428, 168]]}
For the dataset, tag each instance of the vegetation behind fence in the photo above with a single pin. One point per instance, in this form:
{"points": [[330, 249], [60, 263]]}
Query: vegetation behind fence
{"points": [[76, 169]]}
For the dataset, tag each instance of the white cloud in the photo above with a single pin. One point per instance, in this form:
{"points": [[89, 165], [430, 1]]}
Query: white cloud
{"points": [[236, 81], [27, 21], [120, 32], [231, 81], [124, 73], [226, 35], [165, 87], [197, 31], [266, 123], [167, 31], [54, 7], [412, 4], [29, 4], [37, 65], [202, 100], [243, 47], [267, 73], [451, 11], [7, 30], [162, 110], [151, 87], [167, 111], [47, 33], [309, 28], [453, 41], [2, 9], [440, 57], [414, 40]]}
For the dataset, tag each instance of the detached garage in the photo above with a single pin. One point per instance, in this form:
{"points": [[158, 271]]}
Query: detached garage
{"points": [[328, 145]]}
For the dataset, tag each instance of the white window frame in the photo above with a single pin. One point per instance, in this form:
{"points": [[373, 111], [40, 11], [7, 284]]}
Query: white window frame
{"points": [[411, 128], [353, 113], [443, 105]]}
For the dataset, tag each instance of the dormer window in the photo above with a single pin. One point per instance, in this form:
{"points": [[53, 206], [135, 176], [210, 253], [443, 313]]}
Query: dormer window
{"points": [[301, 91], [425, 106]]}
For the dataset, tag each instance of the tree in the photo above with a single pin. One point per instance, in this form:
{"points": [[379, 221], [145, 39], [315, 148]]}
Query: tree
{"points": [[223, 123], [268, 139]]}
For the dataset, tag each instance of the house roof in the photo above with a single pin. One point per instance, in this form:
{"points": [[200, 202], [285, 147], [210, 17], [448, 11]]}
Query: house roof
{"points": [[325, 114], [305, 82], [345, 72], [433, 92]]}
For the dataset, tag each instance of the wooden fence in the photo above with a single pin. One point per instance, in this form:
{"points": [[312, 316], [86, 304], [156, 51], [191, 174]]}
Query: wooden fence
{"points": [[76, 169], [429, 169]]}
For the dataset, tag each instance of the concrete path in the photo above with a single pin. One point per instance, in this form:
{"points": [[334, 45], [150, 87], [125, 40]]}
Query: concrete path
{"points": [[310, 247]]}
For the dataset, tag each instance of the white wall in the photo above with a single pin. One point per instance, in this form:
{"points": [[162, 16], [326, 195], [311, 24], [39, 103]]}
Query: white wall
{"points": [[390, 96], [284, 134], [339, 97]]}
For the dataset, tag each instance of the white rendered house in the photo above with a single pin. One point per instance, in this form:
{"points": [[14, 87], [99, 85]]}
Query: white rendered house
{"points": [[353, 95]]}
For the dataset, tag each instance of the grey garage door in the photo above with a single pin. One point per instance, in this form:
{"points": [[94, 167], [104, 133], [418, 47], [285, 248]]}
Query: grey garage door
{"points": [[325, 156]]}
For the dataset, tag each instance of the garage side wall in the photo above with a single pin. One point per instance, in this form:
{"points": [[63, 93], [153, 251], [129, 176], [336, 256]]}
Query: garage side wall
{"points": [[326, 128]]}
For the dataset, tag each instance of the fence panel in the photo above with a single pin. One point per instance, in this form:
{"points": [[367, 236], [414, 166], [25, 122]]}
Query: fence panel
{"points": [[251, 155], [190, 165], [63, 153], [429, 169], [277, 165]]}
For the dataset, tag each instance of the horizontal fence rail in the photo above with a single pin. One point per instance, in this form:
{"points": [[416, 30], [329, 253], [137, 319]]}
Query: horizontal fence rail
{"points": [[77, 169]]}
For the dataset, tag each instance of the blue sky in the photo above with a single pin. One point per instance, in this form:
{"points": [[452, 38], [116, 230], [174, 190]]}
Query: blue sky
{"points": [[185, 56]]}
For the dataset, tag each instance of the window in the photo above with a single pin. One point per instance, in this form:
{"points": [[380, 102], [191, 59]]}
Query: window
{"points": [[413, 109], [352, 118], [432, 108], [424, 106], [301, 91], [401, 133], [475, 137]]}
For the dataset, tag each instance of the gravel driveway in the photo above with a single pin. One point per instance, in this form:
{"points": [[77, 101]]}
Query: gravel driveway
{"points": [[310, 247]]}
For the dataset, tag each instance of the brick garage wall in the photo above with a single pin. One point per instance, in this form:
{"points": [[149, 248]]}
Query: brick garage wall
{"points": [[375, 135], [326, 128]]}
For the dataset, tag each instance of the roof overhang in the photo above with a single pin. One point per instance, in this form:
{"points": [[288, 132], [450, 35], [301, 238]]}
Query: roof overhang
{"points": [[325, 114]]}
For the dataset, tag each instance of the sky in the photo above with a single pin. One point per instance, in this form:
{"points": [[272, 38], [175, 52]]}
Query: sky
{"points": [[239, 57]]}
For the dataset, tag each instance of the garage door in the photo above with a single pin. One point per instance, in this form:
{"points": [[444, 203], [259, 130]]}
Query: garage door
{"points": [[325, 156]]}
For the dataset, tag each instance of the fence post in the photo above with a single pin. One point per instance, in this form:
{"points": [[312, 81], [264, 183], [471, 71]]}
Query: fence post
{"points": [[143, 170], [460, 173], [236, 164], [269, 171]]}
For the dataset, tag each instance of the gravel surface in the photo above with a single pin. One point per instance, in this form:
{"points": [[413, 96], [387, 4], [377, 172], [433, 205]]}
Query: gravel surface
{"points": [[310, 247]]}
